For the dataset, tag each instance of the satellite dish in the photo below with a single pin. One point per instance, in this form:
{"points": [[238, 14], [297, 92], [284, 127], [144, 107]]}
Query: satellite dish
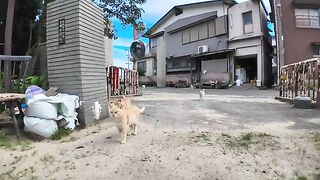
{"points": [[137, 49]]}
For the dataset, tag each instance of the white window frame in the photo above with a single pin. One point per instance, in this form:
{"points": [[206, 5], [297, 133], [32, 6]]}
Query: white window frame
{"points": [[153, 42], [317, 55], [247, 27], [311, 16]]}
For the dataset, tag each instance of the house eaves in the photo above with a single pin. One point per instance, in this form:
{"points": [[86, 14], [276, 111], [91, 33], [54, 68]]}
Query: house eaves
{"points": [[147, 56], [245, 37], [190, 21], [263, 6], [156, 34], [212, 53], [177, 9]]}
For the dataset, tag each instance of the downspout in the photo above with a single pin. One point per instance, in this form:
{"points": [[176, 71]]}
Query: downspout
{"points": [[229, 54], [261, 39], [276, 31]]}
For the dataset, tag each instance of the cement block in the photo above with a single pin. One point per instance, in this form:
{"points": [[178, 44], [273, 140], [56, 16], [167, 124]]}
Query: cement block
{"points": [[302, 102]]}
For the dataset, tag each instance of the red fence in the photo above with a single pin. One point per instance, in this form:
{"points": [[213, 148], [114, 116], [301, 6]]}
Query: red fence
{"points": [[121, 81], [301, 79]]}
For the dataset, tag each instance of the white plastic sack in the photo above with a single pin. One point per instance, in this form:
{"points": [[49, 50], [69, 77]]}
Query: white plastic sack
{"points": [[72, 122], [69, 104], [42, 127], [32, 91], [65, 108], [42, 110]]}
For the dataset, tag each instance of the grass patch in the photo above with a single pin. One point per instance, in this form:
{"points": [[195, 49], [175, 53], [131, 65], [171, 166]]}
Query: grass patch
{"points": [[264, 135], [47, 159], [316, 137], [226, 135], [25, 145], [245, 140], [203, 137], [5, 142], [9, 142], [60, 133], [302, 178], [248, 139]]}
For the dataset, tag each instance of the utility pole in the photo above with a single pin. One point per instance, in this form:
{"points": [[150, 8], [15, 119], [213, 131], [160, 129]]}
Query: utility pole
{"points": [[128, 55]]}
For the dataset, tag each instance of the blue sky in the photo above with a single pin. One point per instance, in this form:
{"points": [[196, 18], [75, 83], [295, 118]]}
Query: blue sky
{"points": [[154, 10]]}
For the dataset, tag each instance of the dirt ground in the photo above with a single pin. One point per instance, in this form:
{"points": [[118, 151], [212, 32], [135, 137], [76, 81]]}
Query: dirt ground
{"points": [[233, 134]]}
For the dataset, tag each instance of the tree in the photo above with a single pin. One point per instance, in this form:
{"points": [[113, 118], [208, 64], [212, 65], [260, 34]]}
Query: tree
{"points": [[29, 26], [8, 42], [127, 11]]}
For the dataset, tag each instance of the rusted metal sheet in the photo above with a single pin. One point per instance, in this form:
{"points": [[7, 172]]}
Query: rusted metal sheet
{"points": [[301, 79]]}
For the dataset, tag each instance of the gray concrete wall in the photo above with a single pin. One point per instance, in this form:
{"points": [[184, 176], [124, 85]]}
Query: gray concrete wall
{"points": [[176, 48], [161, 62], [108, 43], [78, 66]]}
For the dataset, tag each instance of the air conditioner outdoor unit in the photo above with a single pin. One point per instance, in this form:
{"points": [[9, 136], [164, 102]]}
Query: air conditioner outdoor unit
{"points": [[202, 49]]}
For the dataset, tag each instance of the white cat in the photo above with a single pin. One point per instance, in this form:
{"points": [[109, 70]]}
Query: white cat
{"points": [[202, 94]]}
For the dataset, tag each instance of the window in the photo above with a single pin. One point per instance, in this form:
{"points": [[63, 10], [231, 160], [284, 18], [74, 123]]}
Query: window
{"points": [[307, 18], [170, 65], [316, 51], [153, 42], [220, 25], [212, 28], [142, 68], [204, 30], [194, 35], [185, 36], [155, 67], [178, 64], [247, 22]]}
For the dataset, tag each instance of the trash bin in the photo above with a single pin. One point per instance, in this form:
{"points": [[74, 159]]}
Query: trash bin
{"points": [[258, 83]]}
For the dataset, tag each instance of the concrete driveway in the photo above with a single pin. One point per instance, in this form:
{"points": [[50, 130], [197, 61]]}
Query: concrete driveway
{"points": [[232, 109], [233, 134]]}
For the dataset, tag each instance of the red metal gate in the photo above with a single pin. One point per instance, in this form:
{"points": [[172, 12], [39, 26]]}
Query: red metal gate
{"points": [[121, 81]]}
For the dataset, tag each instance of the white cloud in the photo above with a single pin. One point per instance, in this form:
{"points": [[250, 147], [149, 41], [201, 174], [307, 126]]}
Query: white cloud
{"points": [[122, 63], [155, 9], [125, 42]]}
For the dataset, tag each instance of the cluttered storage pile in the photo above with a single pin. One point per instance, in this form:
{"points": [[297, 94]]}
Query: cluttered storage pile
{"points": [[48, 110]]}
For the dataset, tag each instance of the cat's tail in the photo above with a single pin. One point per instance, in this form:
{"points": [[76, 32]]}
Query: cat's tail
{"points": [[142, 110]]}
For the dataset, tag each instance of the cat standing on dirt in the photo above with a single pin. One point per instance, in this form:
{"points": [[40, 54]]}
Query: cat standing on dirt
{"points": [[202, 94], [126, 115]]}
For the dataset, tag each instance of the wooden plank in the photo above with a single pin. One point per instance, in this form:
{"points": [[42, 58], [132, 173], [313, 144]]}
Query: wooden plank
{"points": [[15, 58]]}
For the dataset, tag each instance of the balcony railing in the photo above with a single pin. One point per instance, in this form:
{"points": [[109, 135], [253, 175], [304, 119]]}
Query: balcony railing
{"points": [[301, 79]]}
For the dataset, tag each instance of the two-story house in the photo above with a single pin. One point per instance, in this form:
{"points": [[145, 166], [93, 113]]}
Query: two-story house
{"points": [[185, 31], [249, 36], [297, 26], [192, 42]]}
